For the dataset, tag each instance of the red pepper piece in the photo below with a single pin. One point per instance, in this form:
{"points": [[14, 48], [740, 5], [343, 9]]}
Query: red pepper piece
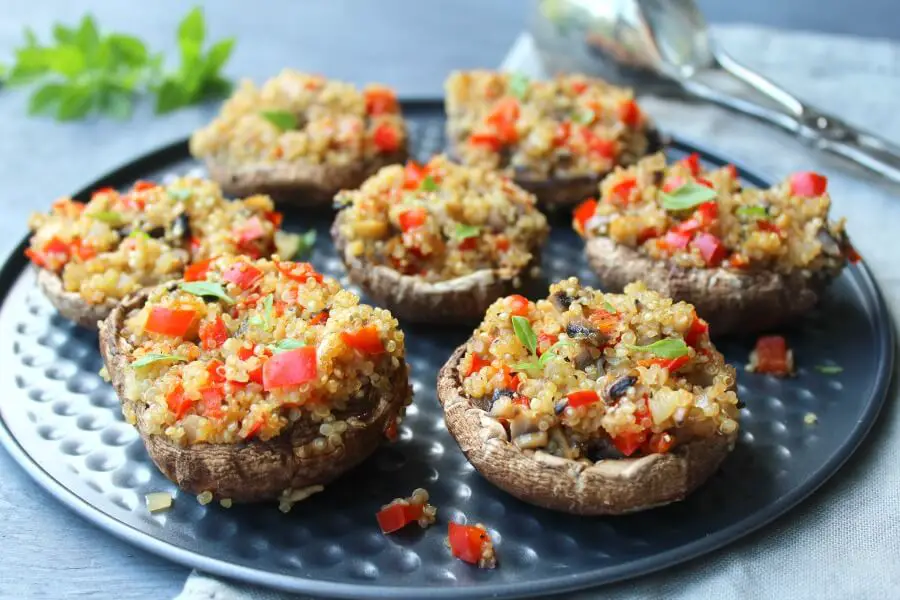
{"points": [[711, 248], [242, 274], [319, 318], [704, 182], [290, 368], [706, 213], [168, 321], [545, 340], [380, 101], [672, 364], [599, 146], [212, 398], [583, 213], [256, 375], [771, 355], [606, 322], [675, 240], [275, 218], [630, 113], [622, 190], [177, 403], [413, 175], [143, 185], [672, 183], [366, 339], [808, 184], [213, 334], [562, 134], [486, 140], [299, 271], [510, 381], [412, 218], [582, 398], [386, 138], [732, 170], [629, 442], [477, 364], [579, 87], [397, 516], [197, 271], [692, 162], [518, 305], [502, 118], [467, 542], [769, 226], [660, 443], [215, 370], [254, 429], [695, 331], [502, 243]]}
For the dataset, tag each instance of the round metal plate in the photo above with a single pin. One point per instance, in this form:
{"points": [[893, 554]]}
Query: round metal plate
{"points": [[62, 423]]}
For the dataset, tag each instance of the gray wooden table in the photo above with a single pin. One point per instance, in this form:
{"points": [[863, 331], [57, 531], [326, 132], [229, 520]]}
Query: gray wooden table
{"points": [[45, 550]]}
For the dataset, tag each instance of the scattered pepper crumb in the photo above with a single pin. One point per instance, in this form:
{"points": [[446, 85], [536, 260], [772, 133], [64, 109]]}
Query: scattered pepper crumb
{"points": [[402, 511], [472, 544], [772, 357], [810, 418]]}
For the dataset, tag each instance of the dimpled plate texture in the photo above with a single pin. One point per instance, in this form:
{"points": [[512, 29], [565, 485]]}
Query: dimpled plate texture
{"points": [[62, 422]]}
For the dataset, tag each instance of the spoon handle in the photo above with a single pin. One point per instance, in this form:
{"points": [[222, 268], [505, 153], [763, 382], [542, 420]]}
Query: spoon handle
{"points": [[815, 127]]}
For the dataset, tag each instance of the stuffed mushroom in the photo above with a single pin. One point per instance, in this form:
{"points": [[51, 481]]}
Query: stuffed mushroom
{"points": [[556, 138], [749, 259], [91, 255], [591, 403], [258, 380], [301, 138], [439, 242]]}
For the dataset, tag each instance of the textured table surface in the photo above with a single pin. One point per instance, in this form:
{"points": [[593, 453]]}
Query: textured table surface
{"points": [[45, 550]]}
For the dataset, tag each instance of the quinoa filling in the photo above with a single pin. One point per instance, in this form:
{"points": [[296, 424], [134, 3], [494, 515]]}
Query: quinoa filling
{"points": [[441, 220], [243, 349], [705, 218], [588, 375], [118, 243]]}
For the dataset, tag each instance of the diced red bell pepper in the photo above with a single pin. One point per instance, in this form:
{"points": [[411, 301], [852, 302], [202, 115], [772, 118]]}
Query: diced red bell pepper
{"points": [[622, 190], [630, 113], [738, 261], [386, 138], [771, 355], [194, 244], [660, 443], [275, 218], [672, 183], [250, 231], [468, 542], [808, 184], [213, 334], [243, 275], [675, 240], [254, 429], [397, 516], [583, 213], [391, 430], [706, 213], [562, 134], [212, 398], [518, 305], [486, 140], [168, 321], [692, 162], [290, 368], [413, 175], [299, 271], [695, 331], [579, 87], [477, 364], [763, 225], [545, 340], [380, 101], [598, 145], [177, 403], [256, 375], [705, 182], [851, 253], [320, 318], [57, 246], [102, 192], [83, 250], [215, 370], [36, 257], [503, 117], [142, 185], [672, 364], [711, 248], [606, 322], [197, 271], [366, 339], [412, 218], [732, 171], [502, 243], [582, 398], [509, 379], [630, 442]]}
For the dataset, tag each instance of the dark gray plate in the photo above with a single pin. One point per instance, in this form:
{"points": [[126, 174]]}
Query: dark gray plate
{"points": [[62, 423]]}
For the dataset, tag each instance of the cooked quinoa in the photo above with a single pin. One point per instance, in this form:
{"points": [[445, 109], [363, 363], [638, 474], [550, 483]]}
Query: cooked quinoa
{"points": [[705, 218], [570, 126], [297, 117], [442, 220], [118, 243], [269, 342], [606, 374]]}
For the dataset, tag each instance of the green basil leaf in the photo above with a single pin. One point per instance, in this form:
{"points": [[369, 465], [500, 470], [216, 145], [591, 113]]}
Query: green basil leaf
{"points": [[63, 34], [687, 196], [127, 49], [170, 96], [525, 333], [463, 232], [609, 307], [87, 38], [518, 85], [269, 312], [192, 27], [667, 348], [139, 233], [283, 120], [429, 184], [45, 98], [584, 116], [107, 216], [217, 56], [74, 103], [829, 369], [68, 61], [532, 365], [115, 102], [551, 351], [287, 344], [307, 243], [180, 194], [206, 289], [153, 357], [758, 213]]}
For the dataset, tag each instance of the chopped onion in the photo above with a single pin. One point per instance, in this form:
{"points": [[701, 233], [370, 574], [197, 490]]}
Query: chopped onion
{"points": [[158, 501]]}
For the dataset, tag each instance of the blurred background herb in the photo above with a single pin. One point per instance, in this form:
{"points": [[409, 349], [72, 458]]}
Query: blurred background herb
{"points": [[84, 71]]}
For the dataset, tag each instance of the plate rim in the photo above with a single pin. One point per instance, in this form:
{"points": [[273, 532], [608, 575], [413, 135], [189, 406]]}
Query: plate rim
{"points": [[860, 275]]}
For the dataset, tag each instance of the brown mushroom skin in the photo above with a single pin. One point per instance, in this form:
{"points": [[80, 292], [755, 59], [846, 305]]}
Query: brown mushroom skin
{"points": [[607, 487], [299, 183], [730, 302], [255, 470], [460, 301], [70, 304]]}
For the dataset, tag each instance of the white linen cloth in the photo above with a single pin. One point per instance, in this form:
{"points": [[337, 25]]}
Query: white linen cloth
{"points": [[844, 542]]}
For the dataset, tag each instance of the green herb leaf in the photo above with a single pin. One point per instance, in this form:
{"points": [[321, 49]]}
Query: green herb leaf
{"points": [[206, 289], [532, 365], [153, 357], [170, 96], [268, 315], [758, 213], [138, 233], [667, 348], [180, 194], [127, 49], [829, 369], [74, 104], [307, 243], [687, 196], [551, 351], [609, 307], [107, 216], [525, 333], [429, 184], [584, 116], [286, 344], [45, 98], [283, 120], [518, 85], [463, 232], [115, 102]]}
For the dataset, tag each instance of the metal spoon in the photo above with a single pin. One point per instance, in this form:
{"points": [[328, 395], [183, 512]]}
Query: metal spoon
{"points": [[665, 45]]}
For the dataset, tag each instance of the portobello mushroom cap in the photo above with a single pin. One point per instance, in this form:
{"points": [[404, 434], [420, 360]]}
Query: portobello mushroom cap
{"points": [[298, 183], [607, 487], [70, 304], [730, 302], [254, 470], [462, 300]]}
